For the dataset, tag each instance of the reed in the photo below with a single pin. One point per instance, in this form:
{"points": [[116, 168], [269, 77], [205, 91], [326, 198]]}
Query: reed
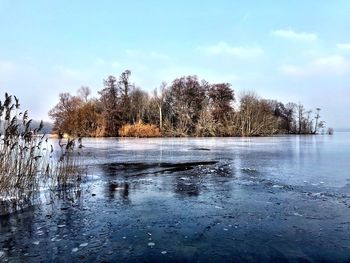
{"points": [[28, 162]]}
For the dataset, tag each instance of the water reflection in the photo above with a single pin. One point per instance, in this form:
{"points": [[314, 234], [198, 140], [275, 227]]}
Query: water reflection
{"points": [[116, 187], [141, 174]]}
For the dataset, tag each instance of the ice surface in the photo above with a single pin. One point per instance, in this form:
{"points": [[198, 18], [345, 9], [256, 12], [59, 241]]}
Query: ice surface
{"points": [[272, 199]]}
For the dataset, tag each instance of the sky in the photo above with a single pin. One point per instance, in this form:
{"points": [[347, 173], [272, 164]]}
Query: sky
{"points": [[286, 50]]}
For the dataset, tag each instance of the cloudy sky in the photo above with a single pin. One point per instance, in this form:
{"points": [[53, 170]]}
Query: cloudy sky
{"points": [[286, 50]]}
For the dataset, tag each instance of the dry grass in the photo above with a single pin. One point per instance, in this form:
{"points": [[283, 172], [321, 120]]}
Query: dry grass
{"points": [[139, 130]]}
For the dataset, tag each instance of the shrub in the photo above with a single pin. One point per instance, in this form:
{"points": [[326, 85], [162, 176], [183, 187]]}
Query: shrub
{"points": [[139, 130]]}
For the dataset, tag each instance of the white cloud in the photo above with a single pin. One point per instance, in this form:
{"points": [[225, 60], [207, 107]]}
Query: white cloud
{"points": [[223, 48], [293, 35], [336, 63], [344, 46], [332, 65]]}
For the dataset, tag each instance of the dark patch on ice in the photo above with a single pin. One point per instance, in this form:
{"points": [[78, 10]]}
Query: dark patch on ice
{"points": [[199, 149], [114, 169], [249, 170]]}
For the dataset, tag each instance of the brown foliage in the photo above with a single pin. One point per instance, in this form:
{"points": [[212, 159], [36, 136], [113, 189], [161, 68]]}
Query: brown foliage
{"points": [[139, 130], [76, 116]]}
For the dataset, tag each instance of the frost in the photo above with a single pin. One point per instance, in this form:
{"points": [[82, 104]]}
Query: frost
{"points": [[40, 233], [297, 214], [277, 186]]}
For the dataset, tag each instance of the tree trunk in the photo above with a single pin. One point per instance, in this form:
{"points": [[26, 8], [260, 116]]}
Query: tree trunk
{"points": [[160, 118]]}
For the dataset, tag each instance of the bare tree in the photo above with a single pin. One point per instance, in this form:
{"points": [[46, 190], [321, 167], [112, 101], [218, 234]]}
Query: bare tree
{"points": [[84, 93], [317, 117], [159, 97], [124, 90], [186, 98], [290, 111], [255, 116], [111, 111], [206, 125], [301, 118], [221, 98], [138, 104]]}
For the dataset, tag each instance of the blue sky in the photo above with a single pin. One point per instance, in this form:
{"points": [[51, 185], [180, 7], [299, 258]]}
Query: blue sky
{"points": [[285, 50]]}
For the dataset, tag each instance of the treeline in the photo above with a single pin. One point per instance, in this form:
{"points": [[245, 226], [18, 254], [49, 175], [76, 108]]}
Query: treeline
{"points": [[187, 107], [47, 127]]}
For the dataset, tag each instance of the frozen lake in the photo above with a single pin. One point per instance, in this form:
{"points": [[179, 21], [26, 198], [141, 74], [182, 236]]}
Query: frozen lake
{"points": [[196, 200]]}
